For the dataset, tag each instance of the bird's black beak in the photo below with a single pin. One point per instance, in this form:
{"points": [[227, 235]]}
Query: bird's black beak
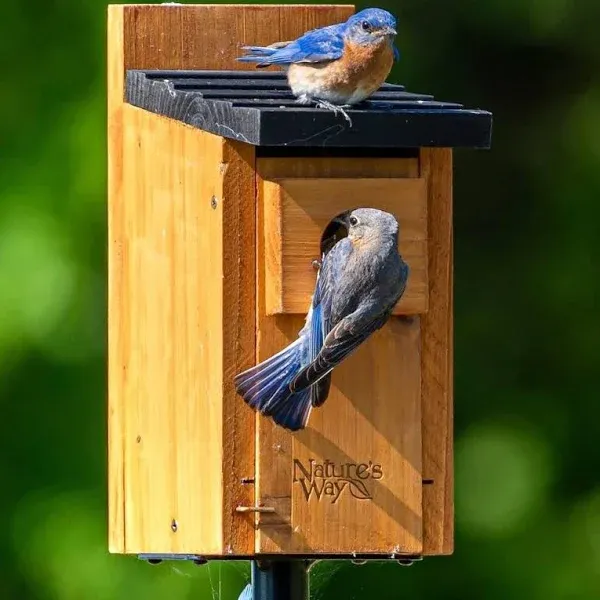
{"points": [[387, 31]]}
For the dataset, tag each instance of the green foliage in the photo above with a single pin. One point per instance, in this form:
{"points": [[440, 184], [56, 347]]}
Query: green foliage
{"points": [[527, 237]]}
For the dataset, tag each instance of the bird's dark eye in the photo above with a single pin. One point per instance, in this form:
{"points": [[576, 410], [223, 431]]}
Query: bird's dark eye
{"points": [[353, 221], [365, 25]]}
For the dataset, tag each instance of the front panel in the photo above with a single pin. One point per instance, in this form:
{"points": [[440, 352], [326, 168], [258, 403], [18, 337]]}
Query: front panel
{"points": [[350, 482]]}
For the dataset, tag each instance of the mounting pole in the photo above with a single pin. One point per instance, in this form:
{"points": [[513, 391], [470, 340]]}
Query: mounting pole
{"points": [[279, 580]]}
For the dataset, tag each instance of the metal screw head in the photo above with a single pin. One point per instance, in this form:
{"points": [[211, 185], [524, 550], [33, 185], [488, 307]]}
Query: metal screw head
{"points": [[213, 202], [174, 526]]}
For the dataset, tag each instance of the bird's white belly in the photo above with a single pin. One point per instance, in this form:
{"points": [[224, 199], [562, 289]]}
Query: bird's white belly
{"points": [[308, 82], [358, 96]]}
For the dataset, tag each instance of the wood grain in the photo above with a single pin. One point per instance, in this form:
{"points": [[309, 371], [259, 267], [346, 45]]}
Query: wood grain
{"points": [[296, 214], [210, 36], [116, 286], [359, 168], [172, 316], [191, 453], [372, 414], [238, 204], [437, 360], [186, 328]]}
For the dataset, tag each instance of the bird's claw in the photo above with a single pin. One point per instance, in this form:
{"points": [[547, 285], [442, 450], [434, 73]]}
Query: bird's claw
{"points": [[303, 99], [335, 108], [316, 263]]}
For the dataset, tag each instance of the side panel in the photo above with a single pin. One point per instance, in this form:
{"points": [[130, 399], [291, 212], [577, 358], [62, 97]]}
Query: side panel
{"points": [[166, 337], [238, 205], [438, 360], [116, 282]]}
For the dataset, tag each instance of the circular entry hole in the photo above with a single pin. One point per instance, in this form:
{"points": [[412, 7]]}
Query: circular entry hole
{"points": [[335, 230]]}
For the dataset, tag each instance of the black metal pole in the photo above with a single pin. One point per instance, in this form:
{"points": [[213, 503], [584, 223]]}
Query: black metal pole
{"points": [[280, 580]]}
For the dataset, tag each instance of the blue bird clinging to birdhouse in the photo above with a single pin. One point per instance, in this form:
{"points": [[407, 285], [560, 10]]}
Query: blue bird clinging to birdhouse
{"points": [[335, 66], [360, 281]]}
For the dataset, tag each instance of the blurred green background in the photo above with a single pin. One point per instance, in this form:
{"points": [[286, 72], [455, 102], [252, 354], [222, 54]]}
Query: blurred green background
{"points": [[527, 237]]}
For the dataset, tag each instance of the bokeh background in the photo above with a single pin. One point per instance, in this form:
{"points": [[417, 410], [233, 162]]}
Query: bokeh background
{"points": [[527, 242]]}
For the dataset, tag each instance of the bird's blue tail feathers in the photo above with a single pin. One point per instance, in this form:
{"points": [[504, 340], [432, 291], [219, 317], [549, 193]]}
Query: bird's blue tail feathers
{"points": [[257, 54], [257, 51], [266, 388]]}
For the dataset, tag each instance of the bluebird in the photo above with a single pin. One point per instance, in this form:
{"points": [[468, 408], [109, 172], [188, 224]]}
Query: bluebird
{"points": [[359, 281], [335, 66]]}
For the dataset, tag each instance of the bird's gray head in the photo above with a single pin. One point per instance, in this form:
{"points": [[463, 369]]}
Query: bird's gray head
{"points": [[367, 223], [370, 26]]}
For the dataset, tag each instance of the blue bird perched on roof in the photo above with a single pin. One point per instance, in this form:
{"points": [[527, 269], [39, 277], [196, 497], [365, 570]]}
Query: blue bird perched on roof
{"points": [[335, 66]]}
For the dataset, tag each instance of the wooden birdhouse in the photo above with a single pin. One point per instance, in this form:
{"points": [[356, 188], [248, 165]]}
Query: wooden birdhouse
{"points": [[220, 190]]}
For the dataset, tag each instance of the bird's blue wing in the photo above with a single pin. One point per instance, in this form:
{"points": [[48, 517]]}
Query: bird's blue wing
{"points": [[346, 335], [317, 45], [319, 324], [341, 341], [396, 53], [331, 270]]}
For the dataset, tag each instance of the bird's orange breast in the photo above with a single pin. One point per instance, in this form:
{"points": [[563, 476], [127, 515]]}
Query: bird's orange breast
{"points": [[363, 69]]}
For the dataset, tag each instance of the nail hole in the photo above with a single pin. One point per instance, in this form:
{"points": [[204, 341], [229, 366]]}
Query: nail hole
{"points": [[407, 319], [213, 202], [174, 526]]}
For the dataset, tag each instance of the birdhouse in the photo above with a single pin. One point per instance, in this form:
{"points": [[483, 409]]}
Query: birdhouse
{"points": [[221, 190]]}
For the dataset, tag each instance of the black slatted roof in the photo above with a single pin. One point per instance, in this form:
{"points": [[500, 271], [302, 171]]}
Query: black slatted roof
{"points": [[258, 108]]}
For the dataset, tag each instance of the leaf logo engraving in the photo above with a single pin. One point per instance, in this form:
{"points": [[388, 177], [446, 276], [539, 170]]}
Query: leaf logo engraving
{"points": [[358, 489]]}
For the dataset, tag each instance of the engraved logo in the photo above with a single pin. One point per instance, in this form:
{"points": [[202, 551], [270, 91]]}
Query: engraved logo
{"points": [[328, 480]]}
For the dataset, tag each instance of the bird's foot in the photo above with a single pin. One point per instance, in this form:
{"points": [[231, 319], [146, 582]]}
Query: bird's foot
{"points": [[335, 108], [303, 99], [316, 263]]}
